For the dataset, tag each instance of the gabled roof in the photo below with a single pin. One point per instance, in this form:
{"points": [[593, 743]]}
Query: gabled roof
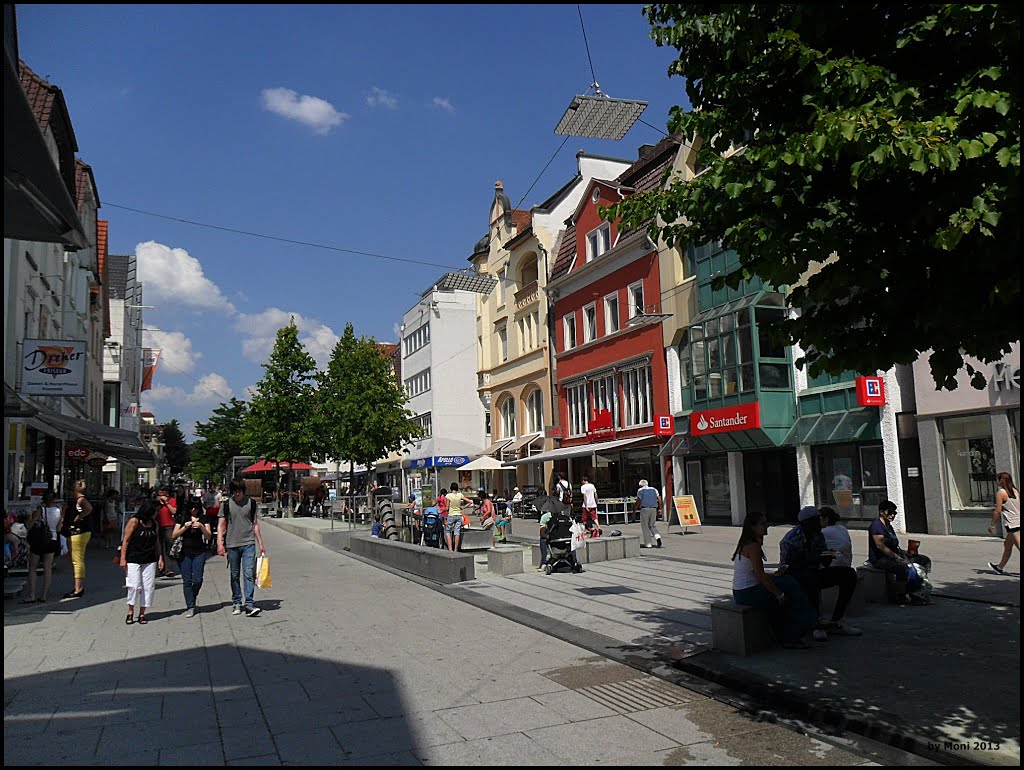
{"points": [[647, 172], [566, 252], [521, 219], [83, 180], [51, 111]]}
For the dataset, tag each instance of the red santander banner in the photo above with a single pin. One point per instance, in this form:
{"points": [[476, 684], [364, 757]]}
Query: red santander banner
{"points": [[728, 418]]}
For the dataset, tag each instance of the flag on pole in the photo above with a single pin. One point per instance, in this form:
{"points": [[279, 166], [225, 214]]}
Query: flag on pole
{"points": [[150, 357]]}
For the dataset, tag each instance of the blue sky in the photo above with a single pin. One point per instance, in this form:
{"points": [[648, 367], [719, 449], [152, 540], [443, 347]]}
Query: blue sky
{"points": [[369, 128]]}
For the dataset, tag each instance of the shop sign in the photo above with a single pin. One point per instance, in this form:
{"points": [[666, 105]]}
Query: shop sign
{"points": [[443, 461], [601, 427], [97, 462], [870, 391], [553, 431], [1005, 377], [725, 419], [664, 425], [77, 453], [53, 368], [686, 511]]}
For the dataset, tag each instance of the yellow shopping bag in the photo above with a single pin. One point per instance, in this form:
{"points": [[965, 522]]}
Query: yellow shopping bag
{"points": [[263, 572]]}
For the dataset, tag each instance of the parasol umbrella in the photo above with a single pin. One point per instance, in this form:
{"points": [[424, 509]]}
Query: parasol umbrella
{"points": [[484, 463], [265, 466]]}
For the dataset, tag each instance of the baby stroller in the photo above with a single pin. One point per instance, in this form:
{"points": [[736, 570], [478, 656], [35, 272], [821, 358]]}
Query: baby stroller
{"points": [[432, 528], [559, 538]]}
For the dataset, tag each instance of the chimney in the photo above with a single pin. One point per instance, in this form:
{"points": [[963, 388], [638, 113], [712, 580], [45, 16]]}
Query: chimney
{"points": [[645, 151]]}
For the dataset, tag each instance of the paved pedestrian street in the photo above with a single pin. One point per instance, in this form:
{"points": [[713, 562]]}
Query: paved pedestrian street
{"points": [[348, 664]]}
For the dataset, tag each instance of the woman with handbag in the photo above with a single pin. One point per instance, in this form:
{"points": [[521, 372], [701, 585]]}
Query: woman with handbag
{"points": [[141, 556], [193, 532], [78, 531], [42, 549]]}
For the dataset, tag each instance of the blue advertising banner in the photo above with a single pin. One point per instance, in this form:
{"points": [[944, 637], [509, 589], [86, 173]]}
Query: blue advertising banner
{"points": [[443, 461]]}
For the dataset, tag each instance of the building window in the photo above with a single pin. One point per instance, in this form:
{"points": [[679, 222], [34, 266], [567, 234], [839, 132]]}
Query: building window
{"points": [[576, 400], [590, 323], [417, 339], [423, 421], [774, 374], [569, 324], [636, 299], [535, 412], [598, 241], [636, 397], [418, 383], [503, 342], [606, 396], [970, 461], [508, 418], [502, 278], [611, 314], [536, 328], [528, 271]]}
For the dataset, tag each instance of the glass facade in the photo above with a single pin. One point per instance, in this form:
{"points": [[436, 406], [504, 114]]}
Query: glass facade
{"points": [[850, 478]]}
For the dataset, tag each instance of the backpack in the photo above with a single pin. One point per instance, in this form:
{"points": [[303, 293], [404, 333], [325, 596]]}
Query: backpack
{"points": [[564, 492]]}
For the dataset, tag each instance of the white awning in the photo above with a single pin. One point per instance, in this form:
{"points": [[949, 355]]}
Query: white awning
{"points": [[519, 443], [499, 444], [580, 451]]}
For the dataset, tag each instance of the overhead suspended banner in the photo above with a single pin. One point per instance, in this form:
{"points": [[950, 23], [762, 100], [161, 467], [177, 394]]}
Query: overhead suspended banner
{"points": [[150, 358], [53, 368]]}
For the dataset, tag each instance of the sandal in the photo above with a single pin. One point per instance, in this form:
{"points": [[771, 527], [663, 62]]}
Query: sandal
{"points": [[130, 619], [142, 620]]}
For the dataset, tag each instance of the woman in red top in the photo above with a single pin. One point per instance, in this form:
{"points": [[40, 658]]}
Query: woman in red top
{"points": [[166, 507]]}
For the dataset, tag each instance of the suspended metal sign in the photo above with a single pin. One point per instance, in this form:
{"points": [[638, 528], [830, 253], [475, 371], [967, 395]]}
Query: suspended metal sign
{"points": [[599, 116]]}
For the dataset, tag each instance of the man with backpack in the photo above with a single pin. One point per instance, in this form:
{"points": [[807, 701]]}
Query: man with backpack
{"points": [[238, 534]]}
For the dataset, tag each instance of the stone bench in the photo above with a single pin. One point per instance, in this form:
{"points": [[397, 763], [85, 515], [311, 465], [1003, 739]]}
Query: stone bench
{"points": [[597, 549], [829, 597], [505, 560], [437, 564], [875, 588], [739, 629], [476, 538]]}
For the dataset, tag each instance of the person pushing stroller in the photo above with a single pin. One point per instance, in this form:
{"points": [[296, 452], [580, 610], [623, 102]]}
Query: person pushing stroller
{"points": [[556, 535]]}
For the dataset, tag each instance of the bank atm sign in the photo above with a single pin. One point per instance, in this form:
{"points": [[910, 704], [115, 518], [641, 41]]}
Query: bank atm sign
{"points": [[729, 418], [870, 391]]}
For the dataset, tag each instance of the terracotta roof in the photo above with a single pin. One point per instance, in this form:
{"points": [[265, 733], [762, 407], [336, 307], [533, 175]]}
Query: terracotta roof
{"points": [[647, 172], [101, 253], [566, 252], [41, 95], [47, 103], [521, 219], [83, 180]]}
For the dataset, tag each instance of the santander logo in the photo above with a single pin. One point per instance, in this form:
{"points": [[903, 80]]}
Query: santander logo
{"points": [[729, 418]]}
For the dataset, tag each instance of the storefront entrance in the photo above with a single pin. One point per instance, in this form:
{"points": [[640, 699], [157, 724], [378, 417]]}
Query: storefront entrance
{"points": [[770, 484]]}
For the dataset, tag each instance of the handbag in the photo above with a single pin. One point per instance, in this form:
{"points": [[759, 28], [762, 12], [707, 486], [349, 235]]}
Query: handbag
{"points": [[176, 546]]}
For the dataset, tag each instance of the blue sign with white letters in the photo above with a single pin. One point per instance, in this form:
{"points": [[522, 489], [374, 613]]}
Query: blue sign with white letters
{"points": [[443, 461]]}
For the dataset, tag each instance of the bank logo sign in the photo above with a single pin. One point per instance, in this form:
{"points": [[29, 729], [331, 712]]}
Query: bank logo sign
{"points": [[53, 368], [729, 418]]}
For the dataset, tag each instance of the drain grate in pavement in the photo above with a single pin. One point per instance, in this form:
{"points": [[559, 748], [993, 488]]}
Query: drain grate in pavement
{"points": [[634, 695]]}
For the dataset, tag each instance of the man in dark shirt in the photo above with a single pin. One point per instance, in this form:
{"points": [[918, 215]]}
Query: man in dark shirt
{"points": [[801, 553]]}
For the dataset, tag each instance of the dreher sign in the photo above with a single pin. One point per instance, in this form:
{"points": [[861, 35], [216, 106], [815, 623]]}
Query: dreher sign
{"points": [[725, 419], [53, 368]]}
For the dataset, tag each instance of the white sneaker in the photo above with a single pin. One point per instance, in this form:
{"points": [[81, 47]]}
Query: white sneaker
{"points": [[657, 541], [841, 629], [819, 635], [646, 545], [237, 610], [191, 612]]}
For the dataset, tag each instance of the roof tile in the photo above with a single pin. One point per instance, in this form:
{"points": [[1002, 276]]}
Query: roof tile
{"points": [[566, 252]]}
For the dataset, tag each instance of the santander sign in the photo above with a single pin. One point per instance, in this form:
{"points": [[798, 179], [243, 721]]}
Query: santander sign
{"points": [[728, 418]]}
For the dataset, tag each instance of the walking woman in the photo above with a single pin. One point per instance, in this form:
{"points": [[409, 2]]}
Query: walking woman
{"points": [[191, 526], [1007, 509], [789, 611], [52, 515], [141, 556], [78, 531]]}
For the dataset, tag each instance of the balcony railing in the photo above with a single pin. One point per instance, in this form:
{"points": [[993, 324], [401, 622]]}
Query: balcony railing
{"points": [[527, 294]]}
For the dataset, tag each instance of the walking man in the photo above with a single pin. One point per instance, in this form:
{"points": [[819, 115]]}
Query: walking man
{"points": [[238, 534], [589, 493], [166, 507], [648, 503]]}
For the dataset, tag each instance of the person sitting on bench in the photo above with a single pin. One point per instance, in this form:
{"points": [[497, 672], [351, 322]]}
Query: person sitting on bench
{"points": [[804, 555]]}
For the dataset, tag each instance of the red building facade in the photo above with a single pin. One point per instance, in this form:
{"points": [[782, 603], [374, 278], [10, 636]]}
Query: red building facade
{"points": [[609, 348]]}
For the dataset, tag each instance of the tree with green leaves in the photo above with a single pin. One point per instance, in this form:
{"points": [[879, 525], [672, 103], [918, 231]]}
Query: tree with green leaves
{"points": [[281, 424], [877, 174], [362, 407], [220, 439], [176, 451]]}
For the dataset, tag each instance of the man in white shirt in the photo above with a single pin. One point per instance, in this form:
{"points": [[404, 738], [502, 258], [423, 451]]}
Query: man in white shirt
{"points": [[589, 492]]}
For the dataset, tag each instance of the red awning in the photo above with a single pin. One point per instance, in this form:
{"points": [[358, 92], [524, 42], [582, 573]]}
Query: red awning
{"points": [[267, 465]]}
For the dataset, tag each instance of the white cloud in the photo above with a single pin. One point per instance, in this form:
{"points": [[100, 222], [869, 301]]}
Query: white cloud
{"points": [[260, 332], [176, 349], [315, 112], [170, 274], [444, 103], [211, 389], [378, 97]]}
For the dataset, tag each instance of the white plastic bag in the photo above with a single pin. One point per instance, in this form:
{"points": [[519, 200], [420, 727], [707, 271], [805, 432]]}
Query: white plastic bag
{"points": [[579, 534]]}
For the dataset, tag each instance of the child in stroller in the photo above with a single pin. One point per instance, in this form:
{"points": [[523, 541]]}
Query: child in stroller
{"points": [[559, 541], [433, 526]]}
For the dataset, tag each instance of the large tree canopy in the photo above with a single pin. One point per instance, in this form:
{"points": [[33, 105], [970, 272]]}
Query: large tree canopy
{"points": [[176, 451], [879, 178], [220, 439]]}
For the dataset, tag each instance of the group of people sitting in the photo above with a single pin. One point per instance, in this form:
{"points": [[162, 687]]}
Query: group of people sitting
{"points": [[449, 513], [814, 555]]}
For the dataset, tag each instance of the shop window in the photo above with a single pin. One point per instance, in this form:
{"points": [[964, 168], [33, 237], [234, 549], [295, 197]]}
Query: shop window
{"points": [[576, 403], [636, 397], [970, 461], [841, 476], [605, 396]]}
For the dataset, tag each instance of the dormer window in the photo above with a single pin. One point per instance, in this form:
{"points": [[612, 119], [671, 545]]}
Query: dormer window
{"points": [[599, 241]]}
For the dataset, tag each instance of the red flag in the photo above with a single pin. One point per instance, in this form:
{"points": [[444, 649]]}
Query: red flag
{"points": [[150, 357]]}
